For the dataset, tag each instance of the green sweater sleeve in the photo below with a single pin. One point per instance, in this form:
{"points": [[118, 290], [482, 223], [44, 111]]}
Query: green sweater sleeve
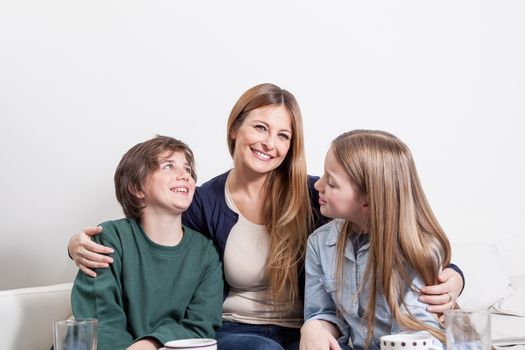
{"points": [[101, 297], [203, 314]]}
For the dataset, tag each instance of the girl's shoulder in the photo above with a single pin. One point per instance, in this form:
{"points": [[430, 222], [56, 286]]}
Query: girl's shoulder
{"points": [[327, 233]]}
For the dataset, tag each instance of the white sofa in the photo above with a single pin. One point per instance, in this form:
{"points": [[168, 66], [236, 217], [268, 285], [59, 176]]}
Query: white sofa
{"points": [[26, 315]]}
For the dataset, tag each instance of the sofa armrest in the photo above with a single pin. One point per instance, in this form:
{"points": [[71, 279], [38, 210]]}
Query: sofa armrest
{"points": [[27, 315]]}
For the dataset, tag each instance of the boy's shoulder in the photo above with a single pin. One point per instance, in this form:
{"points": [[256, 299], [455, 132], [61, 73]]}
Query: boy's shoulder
{"points": [[197, 238], [200, 241], [114, 231]]}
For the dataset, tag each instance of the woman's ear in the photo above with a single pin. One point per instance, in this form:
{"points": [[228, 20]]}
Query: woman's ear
{"points": [[233, 132]]}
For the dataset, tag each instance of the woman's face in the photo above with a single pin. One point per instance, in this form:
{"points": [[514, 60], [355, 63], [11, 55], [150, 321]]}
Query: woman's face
{"points": [[263, 139]]}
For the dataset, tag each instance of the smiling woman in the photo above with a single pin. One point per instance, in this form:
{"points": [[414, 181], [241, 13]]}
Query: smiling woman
{"points": [[262, 138]]}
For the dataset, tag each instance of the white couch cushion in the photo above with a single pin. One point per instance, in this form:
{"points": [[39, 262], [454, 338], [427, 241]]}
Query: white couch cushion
{"points": [[27, 315], [487, 281]]}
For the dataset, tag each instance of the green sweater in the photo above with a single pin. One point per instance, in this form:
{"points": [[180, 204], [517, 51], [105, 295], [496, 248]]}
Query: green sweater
{"points": [[151, 290]]}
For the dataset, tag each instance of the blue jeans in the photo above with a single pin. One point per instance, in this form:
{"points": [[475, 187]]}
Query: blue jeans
{"points": [[241, 336]]}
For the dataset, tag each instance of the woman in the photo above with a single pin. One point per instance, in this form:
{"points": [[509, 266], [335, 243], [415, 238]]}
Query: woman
{"points": [[259, 215]]}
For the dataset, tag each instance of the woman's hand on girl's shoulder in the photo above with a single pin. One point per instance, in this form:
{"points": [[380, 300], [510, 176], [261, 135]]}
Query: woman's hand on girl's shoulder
{"points": [[87, 254], [319, 335], [442, 297]]}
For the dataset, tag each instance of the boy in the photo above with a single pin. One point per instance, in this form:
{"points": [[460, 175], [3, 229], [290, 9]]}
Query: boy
{"points": [[165, 282]]}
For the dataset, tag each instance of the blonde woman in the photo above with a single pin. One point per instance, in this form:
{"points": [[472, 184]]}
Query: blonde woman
{"points": [[259, 215], [366, 268]]}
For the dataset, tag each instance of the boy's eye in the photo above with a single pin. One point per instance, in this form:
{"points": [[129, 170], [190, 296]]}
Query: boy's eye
{"points": [[168, 166], [188, 170]]}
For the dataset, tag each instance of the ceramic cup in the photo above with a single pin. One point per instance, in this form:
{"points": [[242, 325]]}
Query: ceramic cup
{"points": [[192, 344], [408, 341]]}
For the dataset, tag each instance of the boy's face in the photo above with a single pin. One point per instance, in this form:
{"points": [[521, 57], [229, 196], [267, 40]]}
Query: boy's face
{"points": [[170, 188]]}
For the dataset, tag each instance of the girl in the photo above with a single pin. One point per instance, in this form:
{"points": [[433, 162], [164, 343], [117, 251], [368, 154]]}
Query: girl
{"points": [[259, 215], [365, 269]]}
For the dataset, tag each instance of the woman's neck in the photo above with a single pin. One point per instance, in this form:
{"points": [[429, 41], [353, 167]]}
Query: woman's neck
{"points": [[250, 183], [162, 229], [248, 192]]}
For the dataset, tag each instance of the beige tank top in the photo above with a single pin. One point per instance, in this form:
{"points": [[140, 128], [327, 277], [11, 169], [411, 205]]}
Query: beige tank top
{"points": [[249, 299]]}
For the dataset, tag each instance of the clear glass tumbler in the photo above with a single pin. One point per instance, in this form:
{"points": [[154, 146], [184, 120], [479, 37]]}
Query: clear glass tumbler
{"points": [[468, 329], [79, 334]]}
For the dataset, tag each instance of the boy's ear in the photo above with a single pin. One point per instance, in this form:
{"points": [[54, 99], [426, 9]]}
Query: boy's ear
{"points": [[136, 192]]}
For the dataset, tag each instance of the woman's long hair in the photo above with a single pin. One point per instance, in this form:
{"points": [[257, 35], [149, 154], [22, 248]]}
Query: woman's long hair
{"points": [[405, 236], [287, 209]]}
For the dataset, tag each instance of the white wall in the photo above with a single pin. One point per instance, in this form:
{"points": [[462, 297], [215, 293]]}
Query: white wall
{"points": [[82, 81]]}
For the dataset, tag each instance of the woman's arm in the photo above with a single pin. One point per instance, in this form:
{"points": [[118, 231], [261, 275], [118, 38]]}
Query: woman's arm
{"points": [[87, 254]]}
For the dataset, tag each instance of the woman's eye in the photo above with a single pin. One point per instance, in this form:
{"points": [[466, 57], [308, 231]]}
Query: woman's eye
{"points": [[284, 137], [260, 128]]}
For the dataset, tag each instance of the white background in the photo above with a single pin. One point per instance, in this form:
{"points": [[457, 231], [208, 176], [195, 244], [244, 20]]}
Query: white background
{"points": [[83, 81]]}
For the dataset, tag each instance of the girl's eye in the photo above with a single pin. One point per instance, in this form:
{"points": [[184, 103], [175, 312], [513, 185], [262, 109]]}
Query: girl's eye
{"points": [[330, 184]]}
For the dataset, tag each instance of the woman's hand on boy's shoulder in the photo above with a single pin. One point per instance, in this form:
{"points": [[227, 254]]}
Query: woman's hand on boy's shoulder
{"points": [[87, 254]]}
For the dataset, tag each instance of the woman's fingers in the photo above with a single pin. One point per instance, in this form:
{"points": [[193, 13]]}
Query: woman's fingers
{"points": [[87, 270], [94, 251], [88, 254], [442, 297]]}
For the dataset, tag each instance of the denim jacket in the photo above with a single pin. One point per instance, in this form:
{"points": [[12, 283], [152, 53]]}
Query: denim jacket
{"points": [[321, 297]]}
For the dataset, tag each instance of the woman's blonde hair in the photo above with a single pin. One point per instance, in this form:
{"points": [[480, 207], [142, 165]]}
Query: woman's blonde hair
{"points": [[405, 236], [287, 212]]}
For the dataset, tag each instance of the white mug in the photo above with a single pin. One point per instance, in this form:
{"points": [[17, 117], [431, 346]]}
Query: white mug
{"points": [[408, 341], [192, 344]]}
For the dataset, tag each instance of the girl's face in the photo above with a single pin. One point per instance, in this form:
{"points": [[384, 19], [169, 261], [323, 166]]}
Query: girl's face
{"points": [[337, 196], [170, 188], [263, 139]]}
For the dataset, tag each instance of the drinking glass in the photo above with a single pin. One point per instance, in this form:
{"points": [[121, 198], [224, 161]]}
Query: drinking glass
{"points": [[468, 329], [79, 334]]}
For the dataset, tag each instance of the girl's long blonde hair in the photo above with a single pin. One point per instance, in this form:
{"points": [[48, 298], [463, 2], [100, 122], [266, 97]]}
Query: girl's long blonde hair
{"points": [[287, 212], [404, 233]]}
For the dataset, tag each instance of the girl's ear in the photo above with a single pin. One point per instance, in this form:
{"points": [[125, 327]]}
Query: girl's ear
{"points": [[365, 206]]}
